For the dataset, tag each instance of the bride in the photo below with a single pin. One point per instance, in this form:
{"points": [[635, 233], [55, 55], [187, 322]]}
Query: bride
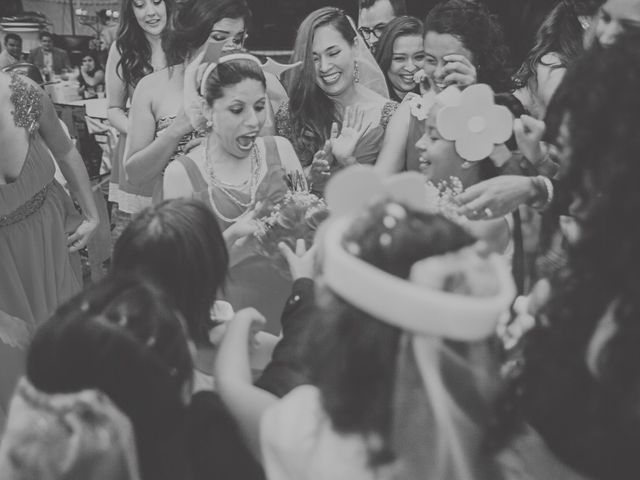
{"points": [[234, 170]]}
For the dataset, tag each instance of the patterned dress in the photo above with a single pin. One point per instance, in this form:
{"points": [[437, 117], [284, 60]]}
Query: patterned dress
{"points": [[367, 148], [37, 272]]}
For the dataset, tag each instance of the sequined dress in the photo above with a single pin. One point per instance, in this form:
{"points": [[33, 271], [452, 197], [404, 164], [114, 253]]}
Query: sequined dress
{"points": [[37, 272]]}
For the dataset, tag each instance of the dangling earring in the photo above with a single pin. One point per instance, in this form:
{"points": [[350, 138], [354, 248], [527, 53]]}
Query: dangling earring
{"points": [[356, 72]]}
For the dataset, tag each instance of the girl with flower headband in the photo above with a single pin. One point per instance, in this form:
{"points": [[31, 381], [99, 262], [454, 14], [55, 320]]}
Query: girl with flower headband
{"points": [[160, 128], [233, 171], [463, 45], [401, 375]]}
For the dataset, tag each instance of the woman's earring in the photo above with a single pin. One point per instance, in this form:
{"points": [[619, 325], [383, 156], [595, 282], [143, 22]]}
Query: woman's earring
{"points": [[209, 124], [356, 72]]}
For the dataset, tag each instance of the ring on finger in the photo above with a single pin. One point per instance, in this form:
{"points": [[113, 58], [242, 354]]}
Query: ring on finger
{"points": [[488, 212]]}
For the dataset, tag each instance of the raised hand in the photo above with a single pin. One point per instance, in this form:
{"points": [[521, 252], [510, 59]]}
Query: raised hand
{"points": [[320, 167], [302, 261], [529, 132], [343, 145], [458, 71]]}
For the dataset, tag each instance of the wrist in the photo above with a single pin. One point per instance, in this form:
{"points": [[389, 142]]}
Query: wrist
{"points": [[541, 193]]}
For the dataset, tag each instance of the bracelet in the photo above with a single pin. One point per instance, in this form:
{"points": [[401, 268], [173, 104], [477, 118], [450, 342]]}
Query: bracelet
{"points": [[541, 205]]}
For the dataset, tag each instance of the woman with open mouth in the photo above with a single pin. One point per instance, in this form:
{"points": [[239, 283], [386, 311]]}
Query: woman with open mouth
{"points": [[234, 171], [463, 45], [159, 127]]}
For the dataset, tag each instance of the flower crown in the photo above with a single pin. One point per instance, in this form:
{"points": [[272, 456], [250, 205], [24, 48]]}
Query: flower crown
{"points": [[419, 305]]}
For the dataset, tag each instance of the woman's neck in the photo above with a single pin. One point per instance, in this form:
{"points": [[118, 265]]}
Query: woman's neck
{"points": [[347, 98], [158, 58]]}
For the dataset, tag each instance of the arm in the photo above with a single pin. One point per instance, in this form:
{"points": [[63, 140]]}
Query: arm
{"points": [[97, 78], [116, 92], [288, 155], [148, 155], [74, 171], [394, 145], [245, 402], [176, 183]]}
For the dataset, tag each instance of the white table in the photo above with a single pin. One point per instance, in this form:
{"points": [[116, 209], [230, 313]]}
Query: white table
{"points": [[95, 107]]}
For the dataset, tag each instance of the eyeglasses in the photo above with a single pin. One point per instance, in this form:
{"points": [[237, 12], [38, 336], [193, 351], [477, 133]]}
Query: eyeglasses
{"points": [[376, 31]]}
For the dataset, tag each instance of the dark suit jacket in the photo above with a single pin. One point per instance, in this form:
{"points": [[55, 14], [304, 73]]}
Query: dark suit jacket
{"points": [[60, 59]]}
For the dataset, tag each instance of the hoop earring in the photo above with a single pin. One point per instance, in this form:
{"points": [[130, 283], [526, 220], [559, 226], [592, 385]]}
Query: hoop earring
{"points": [[356, 72]]}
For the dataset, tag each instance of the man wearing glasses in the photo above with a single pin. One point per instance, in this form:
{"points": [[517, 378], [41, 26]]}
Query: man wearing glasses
{"points": [[374, 16]]}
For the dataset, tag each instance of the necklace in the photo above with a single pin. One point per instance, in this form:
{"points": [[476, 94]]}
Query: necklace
{"points": [[227, 188]]}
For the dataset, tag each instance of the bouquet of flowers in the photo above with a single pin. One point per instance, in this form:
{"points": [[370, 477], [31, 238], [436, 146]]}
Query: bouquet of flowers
{"points": [[296, 216], [441, 198]]}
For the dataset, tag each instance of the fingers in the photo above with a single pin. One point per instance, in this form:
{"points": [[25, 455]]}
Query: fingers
{"points": [[471, 193], [334, 130], [456, 57], [286, 252], [459, 79], [301, 248]]}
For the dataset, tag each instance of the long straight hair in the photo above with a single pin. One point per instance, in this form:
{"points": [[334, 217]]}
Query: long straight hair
{"points": [[312, 112]]}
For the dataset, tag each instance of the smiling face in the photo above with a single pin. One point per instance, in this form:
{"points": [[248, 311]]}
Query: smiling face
{"points": [[232, 31], [14, 47], [238, 116], [151, 15], [408, 57], [616, 18], [438, 157], [334, 60], [436, 47]]}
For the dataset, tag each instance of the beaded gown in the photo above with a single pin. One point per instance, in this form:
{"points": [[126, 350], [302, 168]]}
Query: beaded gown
{"points": [[254, 280], [37, 272]]}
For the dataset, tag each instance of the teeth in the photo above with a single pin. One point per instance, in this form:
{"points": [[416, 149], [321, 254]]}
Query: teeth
{"points": [[331, 78]]}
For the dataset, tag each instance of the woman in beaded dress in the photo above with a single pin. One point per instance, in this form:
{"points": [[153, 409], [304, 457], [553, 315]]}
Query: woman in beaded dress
{"points": [[40, 230], [336, 77], [232, 171]]}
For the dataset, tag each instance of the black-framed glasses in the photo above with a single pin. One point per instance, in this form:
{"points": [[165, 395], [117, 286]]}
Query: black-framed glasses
{"points": [[376, 31]]}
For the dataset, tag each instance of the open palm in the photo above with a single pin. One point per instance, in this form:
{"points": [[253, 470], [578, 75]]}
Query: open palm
{"points": [[343, 145]]}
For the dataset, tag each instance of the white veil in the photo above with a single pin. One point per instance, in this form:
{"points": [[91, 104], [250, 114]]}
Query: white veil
{"points": [[370, 74]]}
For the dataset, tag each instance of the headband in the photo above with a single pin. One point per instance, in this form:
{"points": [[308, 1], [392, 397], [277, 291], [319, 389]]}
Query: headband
{"points": [[412, 304]]}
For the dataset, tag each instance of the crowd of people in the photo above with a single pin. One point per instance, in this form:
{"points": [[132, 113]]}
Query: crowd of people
{"points": [[396, 256]]}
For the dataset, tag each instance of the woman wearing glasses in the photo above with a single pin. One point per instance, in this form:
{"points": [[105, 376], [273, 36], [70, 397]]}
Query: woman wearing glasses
{"points": [[159, 126]]}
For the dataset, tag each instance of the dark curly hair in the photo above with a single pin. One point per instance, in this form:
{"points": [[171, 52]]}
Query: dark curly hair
{"points": [[191, 26], [351, 354], [480, 33], [590, 419], [560, 34], [134, 49]]}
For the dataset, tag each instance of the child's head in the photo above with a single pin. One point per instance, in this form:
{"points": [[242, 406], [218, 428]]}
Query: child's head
{"points": [[440, 159], [352, 354], [179, 246], [122, 338]]}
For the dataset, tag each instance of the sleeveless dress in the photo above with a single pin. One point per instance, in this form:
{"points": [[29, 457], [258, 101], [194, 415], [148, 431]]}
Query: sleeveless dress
{"points": [[368, 146], [37, 272], [254, 280]]}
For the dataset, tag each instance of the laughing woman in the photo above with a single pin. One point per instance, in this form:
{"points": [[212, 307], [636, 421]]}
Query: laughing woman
{"points": [[329, 90], [400, 54], [232, 171]]}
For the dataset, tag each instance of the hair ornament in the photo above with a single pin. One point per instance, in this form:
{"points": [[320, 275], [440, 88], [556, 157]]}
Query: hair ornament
{"points": [[459, 296], [472, 120], [214, 56]]}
